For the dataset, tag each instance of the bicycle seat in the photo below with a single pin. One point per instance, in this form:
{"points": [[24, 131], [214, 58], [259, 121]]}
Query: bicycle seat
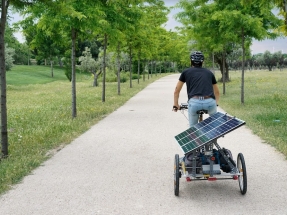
{"points": [[202, 111]]}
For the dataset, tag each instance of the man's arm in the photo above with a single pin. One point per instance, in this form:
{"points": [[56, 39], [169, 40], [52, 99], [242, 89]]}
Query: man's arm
{"points": [[176, 94], [216, 93]]}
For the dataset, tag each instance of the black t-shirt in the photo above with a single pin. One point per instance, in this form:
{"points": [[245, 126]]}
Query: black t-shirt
{"points": [[199, 81]]}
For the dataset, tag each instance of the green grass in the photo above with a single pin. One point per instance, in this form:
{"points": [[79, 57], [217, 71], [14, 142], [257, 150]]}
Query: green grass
{"points": [[23, 75], [264, 108], [40, 116]]}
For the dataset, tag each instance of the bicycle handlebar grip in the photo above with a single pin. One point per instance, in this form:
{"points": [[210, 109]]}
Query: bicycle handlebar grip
{"points": [[183, 106]]}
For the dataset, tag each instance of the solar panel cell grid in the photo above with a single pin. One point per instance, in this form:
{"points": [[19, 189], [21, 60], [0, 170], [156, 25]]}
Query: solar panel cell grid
{"points": [[206, 131]]}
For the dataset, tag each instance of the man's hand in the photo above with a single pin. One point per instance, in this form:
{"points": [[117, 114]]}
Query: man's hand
{"points": [[175, 108]]}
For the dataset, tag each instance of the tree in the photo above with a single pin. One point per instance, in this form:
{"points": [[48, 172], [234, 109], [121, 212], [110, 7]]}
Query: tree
{"points": [[46, 46], [18, 4], [279, 58], [285, 60], [231, 22], [75, 20], [141, 40], [269, 60], [117, 16], [124, 17], [87, 63], [21, 54], [9, 53], [280, 4], [201, 24], [178, 49], [3, 121], [147, 39], [258, 61]]}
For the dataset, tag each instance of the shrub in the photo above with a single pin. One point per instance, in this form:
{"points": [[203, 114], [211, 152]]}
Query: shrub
{"points": [[135, 76], [9, 52], [68, 67], [110, 76], [124, 77]]}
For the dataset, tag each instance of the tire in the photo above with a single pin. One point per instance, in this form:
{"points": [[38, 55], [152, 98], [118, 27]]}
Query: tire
{"points": [[176, 175], [242, 179]]}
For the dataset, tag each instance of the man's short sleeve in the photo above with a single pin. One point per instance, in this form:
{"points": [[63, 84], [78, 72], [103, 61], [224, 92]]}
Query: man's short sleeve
{"points": [[213, 80], [182, 77]]}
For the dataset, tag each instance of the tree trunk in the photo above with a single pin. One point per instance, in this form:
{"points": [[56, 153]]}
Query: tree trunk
{"points": [[151, 69], [269, 68], [96, 76], [28, 63], [60, 62], [119, 69], [213, 68], [144, 70], [148, 69], [139, 54], [95, 83], [3, 94], [73, 61], [219, 61], [131, 85], [243, 63], [174, 67], [52, 69], [104, 68], [223, 72], [155, 68]]}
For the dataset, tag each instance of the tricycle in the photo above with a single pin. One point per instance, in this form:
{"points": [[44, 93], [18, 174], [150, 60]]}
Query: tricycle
{"points": [[203, 158]]}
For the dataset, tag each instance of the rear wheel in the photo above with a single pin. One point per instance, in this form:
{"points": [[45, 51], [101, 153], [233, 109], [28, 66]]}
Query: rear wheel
{"points": [[242, 179], [176, 175]]}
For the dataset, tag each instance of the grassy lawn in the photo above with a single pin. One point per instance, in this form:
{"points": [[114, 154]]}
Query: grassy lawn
{"points": [[264, 108], [39, 115], [24, 75]]}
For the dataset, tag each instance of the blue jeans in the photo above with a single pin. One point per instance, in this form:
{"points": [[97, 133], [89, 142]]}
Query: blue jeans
{"points": [[196, 104]]}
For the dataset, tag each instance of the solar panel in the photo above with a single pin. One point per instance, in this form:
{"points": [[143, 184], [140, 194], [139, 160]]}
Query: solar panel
{"points": [[206, 131]]}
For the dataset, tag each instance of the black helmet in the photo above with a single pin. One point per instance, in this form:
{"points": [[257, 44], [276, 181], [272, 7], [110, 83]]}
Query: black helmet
{"points": [[196, 58]]}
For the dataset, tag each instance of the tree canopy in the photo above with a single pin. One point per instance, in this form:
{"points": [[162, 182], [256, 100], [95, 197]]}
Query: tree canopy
{"points": [[218, 26]]}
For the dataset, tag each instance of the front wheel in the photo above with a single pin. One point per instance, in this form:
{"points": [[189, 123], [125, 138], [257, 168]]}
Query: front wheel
{"points": [[176, 175], [242, 179]]}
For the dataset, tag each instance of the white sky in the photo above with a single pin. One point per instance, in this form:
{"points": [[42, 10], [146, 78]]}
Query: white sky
{"points": [[279, 44]]}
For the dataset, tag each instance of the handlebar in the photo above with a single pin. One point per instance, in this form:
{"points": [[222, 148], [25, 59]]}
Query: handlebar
{"points": [[182, 106]]}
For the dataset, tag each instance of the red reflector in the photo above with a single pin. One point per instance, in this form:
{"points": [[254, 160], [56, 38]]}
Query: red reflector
{"points": [[188, 179], [235, 177], [212, 179], [212, 158]]}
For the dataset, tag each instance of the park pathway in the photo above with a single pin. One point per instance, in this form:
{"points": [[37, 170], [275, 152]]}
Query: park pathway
{"points": [[124, 165]]}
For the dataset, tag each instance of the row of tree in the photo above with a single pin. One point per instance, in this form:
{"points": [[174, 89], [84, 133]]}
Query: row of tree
{"points": [[265, 60], [221, 28], [54, 30], [269, 60]]}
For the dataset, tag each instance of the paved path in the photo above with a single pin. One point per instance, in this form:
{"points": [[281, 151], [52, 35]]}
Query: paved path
{"points": [[124, 165]]}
